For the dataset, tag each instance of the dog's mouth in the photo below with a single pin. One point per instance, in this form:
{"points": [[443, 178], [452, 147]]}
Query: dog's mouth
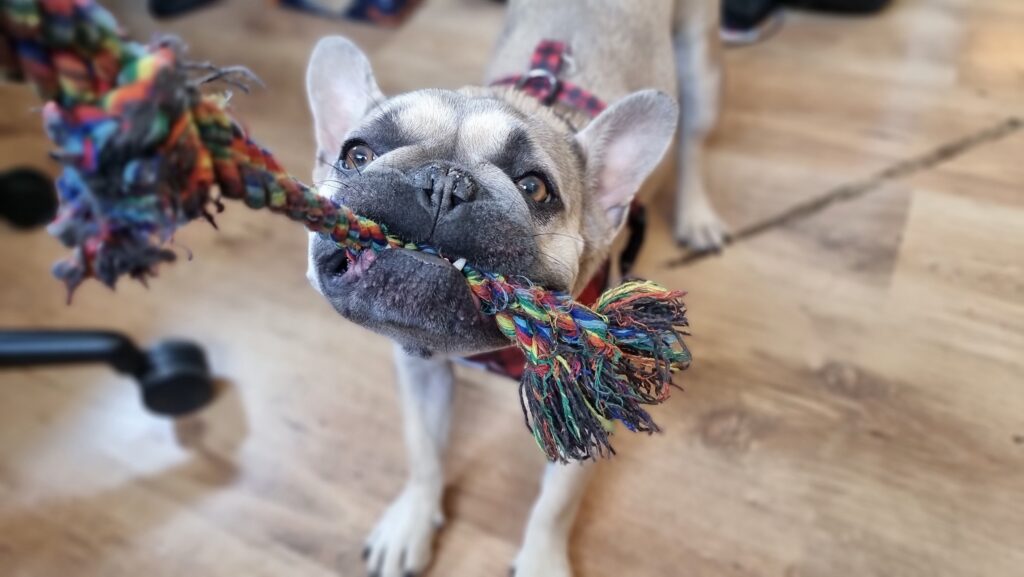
{"points": [[342, 269], [417, 298], [339, 268]]}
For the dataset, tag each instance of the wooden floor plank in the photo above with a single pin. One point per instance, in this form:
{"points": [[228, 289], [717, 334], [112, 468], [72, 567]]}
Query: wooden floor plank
{"points": [[854, 407]]}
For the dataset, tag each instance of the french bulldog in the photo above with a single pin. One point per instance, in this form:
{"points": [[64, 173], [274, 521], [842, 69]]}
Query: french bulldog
{"points": [[490, 175]]}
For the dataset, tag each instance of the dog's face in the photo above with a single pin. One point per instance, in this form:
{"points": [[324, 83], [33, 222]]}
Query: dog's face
{"points": [[490, 179]]}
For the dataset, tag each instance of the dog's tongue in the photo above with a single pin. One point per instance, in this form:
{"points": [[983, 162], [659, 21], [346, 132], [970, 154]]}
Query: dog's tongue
{"points": [[361, 265]]}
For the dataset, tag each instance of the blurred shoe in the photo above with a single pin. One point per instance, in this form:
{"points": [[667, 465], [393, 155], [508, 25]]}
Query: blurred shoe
{"points": [[840, 6], [168, 8], [388, 13], [749, 21]]}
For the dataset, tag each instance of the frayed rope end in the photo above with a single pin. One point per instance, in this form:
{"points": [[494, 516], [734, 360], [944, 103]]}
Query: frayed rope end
{"points": [[573, 396]]}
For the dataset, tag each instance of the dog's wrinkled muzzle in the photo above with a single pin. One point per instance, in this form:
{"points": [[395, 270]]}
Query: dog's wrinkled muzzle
{"points": [[420, 300]]}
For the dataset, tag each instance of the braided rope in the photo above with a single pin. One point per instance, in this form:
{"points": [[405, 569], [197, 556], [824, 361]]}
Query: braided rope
{"points": [[145, 151]]}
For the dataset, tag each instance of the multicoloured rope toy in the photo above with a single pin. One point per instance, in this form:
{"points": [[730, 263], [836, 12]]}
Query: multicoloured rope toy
{"points": [[146, 151]]}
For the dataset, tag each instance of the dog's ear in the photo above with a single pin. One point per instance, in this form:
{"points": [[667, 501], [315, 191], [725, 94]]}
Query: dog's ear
{"points": [[341, 89], [623, 145]]}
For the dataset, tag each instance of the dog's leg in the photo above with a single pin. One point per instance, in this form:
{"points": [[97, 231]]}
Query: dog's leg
{"points": [[401, 544], [545, 551], [696, 48]]}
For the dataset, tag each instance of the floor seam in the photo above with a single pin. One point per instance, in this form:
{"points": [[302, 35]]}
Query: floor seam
{"points": [[858, 189]]}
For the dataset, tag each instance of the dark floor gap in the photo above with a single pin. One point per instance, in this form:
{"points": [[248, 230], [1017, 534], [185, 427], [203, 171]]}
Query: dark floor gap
{"points": [[858, 189]]}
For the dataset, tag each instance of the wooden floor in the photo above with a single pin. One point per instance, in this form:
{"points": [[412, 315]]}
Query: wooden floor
{"points": [[856, 407]]}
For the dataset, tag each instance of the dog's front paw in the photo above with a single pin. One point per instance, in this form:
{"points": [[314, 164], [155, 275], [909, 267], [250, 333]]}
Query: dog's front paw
{"points": [[401, 543], [699, 228], [543, 557]]}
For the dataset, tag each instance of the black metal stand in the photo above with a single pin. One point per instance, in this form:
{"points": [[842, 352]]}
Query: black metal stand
{"points": [[173, 376]]}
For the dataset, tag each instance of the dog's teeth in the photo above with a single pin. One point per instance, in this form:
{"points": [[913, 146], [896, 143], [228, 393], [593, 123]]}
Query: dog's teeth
{"points": [[459, 264]]}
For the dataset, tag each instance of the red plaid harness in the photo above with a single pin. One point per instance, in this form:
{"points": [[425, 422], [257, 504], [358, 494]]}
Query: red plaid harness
{"points": [[543, 82]]}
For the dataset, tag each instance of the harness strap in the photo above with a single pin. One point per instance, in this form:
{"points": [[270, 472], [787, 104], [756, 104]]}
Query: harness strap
{"points": [[543, 80]]}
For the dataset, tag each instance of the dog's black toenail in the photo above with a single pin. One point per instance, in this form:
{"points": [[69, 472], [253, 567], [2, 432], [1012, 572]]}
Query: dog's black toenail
{"points": [[366, 553], [410, 574]]}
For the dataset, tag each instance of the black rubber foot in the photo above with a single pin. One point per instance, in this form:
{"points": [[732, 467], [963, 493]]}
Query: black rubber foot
{"points": [[27, 198], [177, 379]]}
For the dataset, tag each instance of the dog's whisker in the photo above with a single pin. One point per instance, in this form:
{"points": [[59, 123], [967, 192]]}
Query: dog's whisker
{"points": [[329, 182], [324, 162], [332, 181], [373, 98], [571, 236], [568, 269]]}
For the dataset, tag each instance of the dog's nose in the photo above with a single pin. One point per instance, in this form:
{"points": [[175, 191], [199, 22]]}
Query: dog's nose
{"points": [[443, 186]]}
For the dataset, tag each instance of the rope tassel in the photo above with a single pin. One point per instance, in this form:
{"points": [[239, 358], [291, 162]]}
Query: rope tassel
{"points": [[145, 151], [606, 364]]}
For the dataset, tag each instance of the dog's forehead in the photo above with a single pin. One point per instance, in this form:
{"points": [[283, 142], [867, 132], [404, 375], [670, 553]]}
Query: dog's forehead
{"points": [[479, 127], [421, 115], [486, 130]]}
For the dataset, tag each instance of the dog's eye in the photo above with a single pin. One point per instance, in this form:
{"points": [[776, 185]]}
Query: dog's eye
{"points": [[534, 187], [357, 156]]}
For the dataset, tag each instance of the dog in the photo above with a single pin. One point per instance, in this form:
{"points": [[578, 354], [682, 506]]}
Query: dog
{"points": [[514, 177]]}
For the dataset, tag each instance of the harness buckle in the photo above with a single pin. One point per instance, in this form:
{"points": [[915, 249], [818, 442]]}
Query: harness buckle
{"points": [[554, 84]]}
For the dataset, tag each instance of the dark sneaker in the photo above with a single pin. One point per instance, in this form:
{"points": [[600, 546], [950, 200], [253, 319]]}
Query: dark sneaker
{"points": [[749, 21], [170, 8], [839, 6]]}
